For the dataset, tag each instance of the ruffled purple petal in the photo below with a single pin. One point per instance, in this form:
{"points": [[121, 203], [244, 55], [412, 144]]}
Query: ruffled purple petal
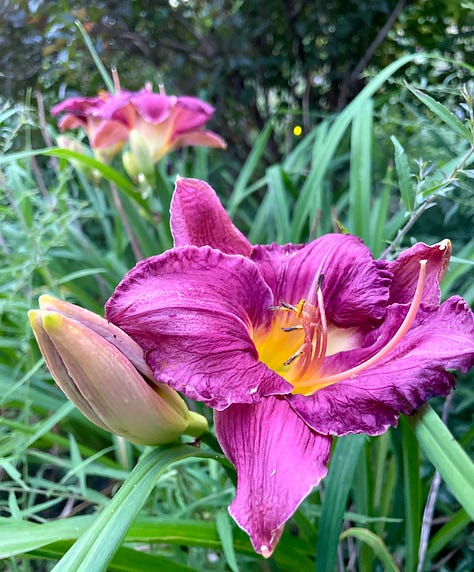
{"points": [[278, 458], [70, 121], [416, 370], [190, 113], [198, 139], [118, 108], [153, 107], [198, 218], [355, 286], [406, 269], [77, 105], [192, 310]]}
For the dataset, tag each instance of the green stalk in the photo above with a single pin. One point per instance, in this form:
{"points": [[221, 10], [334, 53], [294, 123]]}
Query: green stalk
{"points": [[412, 496], [338, 485], [109, 84]]}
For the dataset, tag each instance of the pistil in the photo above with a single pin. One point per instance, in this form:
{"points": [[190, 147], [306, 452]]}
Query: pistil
{"points": [[318, 382], [302, 367]]}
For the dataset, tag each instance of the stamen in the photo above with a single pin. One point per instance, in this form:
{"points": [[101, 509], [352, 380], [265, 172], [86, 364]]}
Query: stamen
{"points": [[322, 338], [116, 79], [315, 343], [313, 320], [299, 307], [309, 388]]}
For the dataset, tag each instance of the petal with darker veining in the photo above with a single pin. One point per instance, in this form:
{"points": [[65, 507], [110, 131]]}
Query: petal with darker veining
{"points": [[355, 286], [279, 460], [417, 369], [199, 219], [192, 311]]}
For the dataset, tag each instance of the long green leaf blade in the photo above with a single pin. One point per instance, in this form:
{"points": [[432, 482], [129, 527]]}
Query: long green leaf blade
{"points": [[109, 84], [443, 113], [404, 176], [337, 131], [376, 544], [110, 174], [446, 454], [224, 530], [53, 538], [412, 494], [279, 200], [125, 560], [338, 485], [95, 549], [447, 533], [361, 172], [248, 169]]}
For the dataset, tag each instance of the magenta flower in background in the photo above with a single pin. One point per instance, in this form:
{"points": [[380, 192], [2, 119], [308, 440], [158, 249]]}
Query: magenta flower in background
{"points": [[290, 344], [155, 124], [106, 137]]}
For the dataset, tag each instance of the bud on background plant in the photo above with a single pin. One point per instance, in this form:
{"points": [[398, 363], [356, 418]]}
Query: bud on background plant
{"points": [[102, 371]]}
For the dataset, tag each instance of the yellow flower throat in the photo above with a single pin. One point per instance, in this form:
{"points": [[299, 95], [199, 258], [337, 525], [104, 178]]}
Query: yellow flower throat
{"points": [[296, 350]]}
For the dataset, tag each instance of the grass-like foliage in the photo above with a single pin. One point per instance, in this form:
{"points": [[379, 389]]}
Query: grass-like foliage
{"points": [[394, 167]]}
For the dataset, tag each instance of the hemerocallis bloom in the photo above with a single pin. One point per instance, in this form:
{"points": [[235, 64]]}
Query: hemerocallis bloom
{"points": [[102, 371], [154, 124], [290, 344]]}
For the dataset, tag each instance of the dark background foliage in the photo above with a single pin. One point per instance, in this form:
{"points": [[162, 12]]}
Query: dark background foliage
{"points": [[250, 59]]}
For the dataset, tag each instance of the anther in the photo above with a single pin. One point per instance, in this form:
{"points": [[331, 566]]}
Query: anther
{"points": [[283, 306], [299, 307], [292, 358], [292, 328]]}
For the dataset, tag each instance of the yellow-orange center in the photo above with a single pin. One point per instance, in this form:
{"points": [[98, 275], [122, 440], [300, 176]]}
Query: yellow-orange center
{"points": [[299, 339]]}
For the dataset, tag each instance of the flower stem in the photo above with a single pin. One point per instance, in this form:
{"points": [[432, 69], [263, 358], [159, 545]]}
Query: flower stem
{"points": [[128, 229], [415, 215]]}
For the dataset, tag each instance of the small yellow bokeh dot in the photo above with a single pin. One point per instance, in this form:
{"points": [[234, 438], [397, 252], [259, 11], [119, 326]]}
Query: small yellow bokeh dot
{"points": [[297, 130]]}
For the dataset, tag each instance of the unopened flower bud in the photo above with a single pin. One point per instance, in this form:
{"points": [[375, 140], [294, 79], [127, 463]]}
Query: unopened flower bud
{"points": [[140, 160], [102, 371]]}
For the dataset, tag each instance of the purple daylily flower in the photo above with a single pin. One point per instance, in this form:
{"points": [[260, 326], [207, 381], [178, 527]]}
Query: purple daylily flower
{"points": [[162, 123], [290, 344]]}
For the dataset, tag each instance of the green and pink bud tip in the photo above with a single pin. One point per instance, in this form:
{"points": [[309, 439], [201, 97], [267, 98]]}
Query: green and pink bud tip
{"points": [[103, 372]]}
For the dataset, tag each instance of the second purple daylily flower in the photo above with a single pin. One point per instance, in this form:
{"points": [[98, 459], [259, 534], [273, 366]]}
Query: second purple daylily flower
{"points": [[154, 124], [290, 344]]}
